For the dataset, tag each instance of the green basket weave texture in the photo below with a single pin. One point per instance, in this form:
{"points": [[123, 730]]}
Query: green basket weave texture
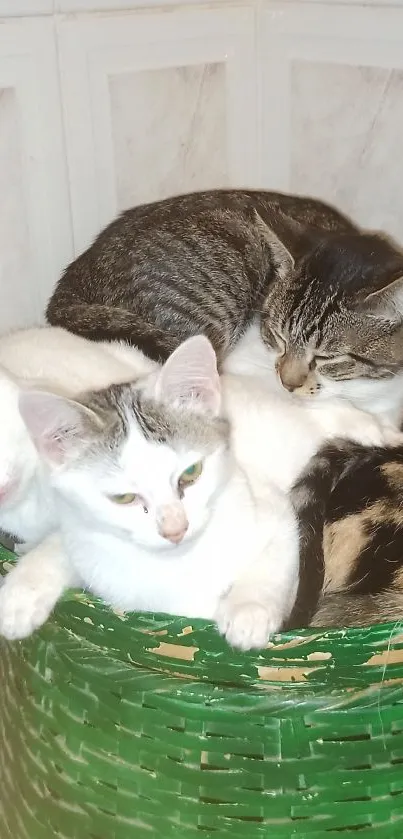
{"points": [[146, 726]]}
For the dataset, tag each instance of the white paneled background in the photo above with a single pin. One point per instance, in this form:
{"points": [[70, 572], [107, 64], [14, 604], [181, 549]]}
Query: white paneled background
{"points": [[105, 104], [155, 103]]}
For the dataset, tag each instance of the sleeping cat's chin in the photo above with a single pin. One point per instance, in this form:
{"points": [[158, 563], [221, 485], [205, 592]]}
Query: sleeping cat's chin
{"points": [[251, 357], [378, 396]]}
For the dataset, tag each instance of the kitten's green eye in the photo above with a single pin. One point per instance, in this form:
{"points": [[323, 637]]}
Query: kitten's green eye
{"points": [[126, 498], [191, 474]]}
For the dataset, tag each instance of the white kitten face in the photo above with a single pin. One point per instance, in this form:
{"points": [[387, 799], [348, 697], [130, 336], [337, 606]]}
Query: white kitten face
{"points": [[146, 458], [160, 495]]}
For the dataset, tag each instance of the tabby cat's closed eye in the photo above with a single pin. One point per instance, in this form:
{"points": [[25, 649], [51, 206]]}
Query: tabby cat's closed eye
{"points": [[324, 357]]}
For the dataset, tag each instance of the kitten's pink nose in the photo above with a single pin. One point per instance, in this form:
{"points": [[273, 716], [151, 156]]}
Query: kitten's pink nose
{"points": [[175, 537], [172, 522]]}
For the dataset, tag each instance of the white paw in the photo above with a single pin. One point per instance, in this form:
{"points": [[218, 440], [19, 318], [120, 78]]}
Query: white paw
{"points": [[24, 607], [366, 429], [21, 548], [370, 433], [246, 624], [392, 436], [381, 433]]}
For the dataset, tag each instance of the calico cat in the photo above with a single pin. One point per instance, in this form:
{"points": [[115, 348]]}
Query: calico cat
{"points": [[147, 478], [328, 297], [349, 504], [198, 263]]}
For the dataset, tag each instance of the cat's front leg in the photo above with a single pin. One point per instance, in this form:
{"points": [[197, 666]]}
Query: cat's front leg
{"points": [[22, 548], [30, 591], [338, 418], [260, 600]]}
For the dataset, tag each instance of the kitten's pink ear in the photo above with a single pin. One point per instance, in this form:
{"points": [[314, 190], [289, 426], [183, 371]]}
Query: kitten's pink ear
{"points": [[56, 425], [190, 375]]}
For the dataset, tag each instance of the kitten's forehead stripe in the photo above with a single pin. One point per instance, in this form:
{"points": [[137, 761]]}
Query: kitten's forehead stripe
{"points": [[153, 426], [119, 405]]}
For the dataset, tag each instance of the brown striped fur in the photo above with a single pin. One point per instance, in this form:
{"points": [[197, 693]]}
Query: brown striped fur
{"points": [[197, 263], [329, 296]]}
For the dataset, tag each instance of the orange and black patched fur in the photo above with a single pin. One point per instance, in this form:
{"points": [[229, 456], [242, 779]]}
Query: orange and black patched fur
{"points": [[349, 502]]}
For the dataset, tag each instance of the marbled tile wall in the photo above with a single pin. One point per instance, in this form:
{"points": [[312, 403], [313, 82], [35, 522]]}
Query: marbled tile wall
{"points": [[168, 131], [346, 139], [15, 271]]}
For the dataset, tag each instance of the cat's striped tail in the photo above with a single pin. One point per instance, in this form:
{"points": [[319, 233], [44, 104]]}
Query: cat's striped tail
{"points": [[98, 322]]}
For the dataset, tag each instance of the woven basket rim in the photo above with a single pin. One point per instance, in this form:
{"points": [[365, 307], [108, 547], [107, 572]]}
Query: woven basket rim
{"points": [[302, 664]]}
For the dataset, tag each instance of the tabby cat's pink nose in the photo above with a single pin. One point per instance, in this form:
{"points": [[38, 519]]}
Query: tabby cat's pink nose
{"points": [[293, 371]]}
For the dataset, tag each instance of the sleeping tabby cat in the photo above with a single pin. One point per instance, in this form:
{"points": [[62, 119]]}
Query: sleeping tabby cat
{"points": [[330, 296], [198, 263], [349, 504]]}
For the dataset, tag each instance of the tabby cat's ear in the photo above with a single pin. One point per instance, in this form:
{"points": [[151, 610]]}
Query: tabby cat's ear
{"points": [[57, 426], [282, 257], [190, 375], [385, 303]]}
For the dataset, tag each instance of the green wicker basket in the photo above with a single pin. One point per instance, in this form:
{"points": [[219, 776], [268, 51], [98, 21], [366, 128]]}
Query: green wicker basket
{"points": [[148, 726]]}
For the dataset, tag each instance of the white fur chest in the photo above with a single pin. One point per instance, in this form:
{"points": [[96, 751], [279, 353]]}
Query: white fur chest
{"points": [[186, 579]]}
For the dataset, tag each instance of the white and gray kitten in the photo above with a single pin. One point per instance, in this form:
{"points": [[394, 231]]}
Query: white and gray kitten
{"points": [[154, 511], [142, 530]]}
